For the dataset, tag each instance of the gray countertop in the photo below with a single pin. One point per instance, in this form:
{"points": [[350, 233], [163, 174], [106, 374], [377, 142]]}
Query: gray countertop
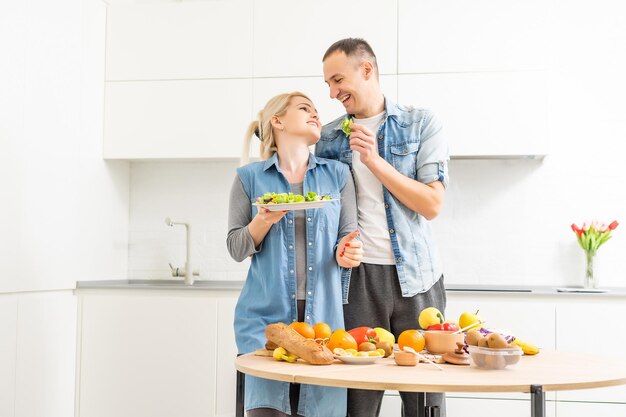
{"points": [[237, 285]]}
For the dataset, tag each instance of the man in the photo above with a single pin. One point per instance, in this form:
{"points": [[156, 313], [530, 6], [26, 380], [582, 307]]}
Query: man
{"points": [[398, 158]]}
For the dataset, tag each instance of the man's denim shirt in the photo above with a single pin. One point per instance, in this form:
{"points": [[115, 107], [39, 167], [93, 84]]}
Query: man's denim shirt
{"points": [[411, 141], [269, 293]]}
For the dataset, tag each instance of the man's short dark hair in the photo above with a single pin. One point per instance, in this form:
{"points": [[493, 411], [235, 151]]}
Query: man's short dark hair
{"points": [[356, 47]]}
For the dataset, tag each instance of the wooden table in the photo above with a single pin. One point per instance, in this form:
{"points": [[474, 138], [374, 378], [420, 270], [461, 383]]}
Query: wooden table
{"points": [[547, 371]]}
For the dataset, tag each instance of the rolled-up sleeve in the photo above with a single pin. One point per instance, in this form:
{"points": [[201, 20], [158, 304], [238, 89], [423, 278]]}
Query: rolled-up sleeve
{"points": [[433, 154]]}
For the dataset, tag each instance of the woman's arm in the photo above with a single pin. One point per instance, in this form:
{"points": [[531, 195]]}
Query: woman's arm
{"points": [[245, 234]]}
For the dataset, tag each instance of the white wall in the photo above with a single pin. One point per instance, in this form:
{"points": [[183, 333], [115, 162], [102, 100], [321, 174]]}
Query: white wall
{"points": [[64, 210], [544, 75]]}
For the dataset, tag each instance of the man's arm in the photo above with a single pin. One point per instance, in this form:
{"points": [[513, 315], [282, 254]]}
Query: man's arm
{"points": [[425, 199]]}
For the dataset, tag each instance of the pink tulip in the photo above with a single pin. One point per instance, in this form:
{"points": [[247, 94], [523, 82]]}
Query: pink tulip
{"points": [[613, 225]]}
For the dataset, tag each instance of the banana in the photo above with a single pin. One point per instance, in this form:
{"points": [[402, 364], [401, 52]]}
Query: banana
{"points": [[527, 348], [280, 354]]}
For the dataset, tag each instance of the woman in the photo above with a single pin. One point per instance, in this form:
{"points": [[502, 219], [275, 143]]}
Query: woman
{"points": [[301, 259]]}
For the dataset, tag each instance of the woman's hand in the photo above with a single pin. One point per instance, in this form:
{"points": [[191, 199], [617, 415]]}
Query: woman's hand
{"points": [[270, 217], [349, 251], [262, 223]]}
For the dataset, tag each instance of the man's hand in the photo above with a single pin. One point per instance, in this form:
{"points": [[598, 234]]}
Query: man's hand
{"points": [[363, 141], [349, 251]]}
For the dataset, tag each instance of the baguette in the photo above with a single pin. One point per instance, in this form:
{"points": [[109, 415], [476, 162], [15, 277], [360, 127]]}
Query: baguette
{"points": [[307, 349]]}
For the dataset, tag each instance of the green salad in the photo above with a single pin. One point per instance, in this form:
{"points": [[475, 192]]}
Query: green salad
{"points": [[285, 198], [345, 125]]}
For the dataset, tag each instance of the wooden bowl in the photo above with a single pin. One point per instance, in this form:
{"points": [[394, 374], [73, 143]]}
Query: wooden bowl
{"points": [[441, 341], [405, 358]]}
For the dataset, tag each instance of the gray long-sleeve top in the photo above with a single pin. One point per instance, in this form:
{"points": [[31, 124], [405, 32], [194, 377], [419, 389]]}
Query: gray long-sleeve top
{"points": [[239, 241]]}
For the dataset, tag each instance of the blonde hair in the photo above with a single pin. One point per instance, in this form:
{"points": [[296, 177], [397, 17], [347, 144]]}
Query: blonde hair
{"points": [[262, 127]]}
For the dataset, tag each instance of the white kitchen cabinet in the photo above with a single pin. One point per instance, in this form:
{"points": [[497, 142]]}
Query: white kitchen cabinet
{"points": [[176, 119], [179, 40], [482, 35], [8, 343], [45, 359], [581, 409], [292, 41], [593, 326], [156, 353], [485, 114]]}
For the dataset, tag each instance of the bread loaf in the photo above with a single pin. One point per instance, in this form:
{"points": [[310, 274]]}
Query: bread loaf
{"points": [[307, 349]]}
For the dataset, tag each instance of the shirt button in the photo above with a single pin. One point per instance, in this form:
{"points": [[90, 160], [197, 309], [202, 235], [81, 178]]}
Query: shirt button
{"points": [[391, 231], [398, 259], [310, 243], [380, 137], [386, 205], [310, 293], [293, 296], [308, 219], [308, 317], [291, 272], [290, 246], [290, 221], [310, 268]]}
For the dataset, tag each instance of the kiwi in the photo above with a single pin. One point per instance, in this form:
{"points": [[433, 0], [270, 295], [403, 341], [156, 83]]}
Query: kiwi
{"points": [[386, 346], [367, 347], [496, 341], [472, 337], [482, 342]]}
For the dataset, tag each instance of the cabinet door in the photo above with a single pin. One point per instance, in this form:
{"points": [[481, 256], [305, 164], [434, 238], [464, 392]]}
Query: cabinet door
{"points": [[176, 119], [591, 325], [147, 356], [8, 342], [226, 375]]}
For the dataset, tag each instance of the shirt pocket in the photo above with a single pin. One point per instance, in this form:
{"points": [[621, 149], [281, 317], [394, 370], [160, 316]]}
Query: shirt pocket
{"points": [[327, 217], [404, 158]]}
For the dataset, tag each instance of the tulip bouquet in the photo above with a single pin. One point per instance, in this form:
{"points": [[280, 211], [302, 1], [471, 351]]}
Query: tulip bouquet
{"points": [[590, 237]]}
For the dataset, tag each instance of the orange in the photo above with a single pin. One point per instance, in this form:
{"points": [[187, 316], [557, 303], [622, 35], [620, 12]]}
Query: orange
{"points": [[303, 328], [341, 339], [411, 338], [322, 330]]}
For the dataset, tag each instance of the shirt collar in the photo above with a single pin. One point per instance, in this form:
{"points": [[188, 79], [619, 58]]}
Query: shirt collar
{"points": [[273, 161]]}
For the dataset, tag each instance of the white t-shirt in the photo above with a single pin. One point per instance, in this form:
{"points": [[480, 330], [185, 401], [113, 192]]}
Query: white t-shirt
{"points": [[377, 247]]}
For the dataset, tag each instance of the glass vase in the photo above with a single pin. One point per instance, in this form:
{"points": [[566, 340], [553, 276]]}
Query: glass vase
{"points": [[591, 279]]}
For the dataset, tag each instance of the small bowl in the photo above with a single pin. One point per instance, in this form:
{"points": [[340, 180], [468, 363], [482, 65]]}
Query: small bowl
{"points": [[488, 358], [405, 358], [442, 341]]}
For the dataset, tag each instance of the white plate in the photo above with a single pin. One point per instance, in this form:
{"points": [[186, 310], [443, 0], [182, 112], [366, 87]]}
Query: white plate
{"points": [[358, 360], [295, 206]]}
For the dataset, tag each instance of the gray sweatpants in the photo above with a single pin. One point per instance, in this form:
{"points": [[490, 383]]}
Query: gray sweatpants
{"points": [[375, 300]]}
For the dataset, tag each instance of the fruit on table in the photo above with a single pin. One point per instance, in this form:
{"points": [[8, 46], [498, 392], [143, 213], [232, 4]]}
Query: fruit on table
{"points": [[430, 316], [527, 348], [385, 335], [449, 327], [305, 329], [412, 339], [496, 341], [367, 347], [472, 337], [468, 319], [341, 339], [322, 332], [386, 347], [364, 334], [281, 354]]}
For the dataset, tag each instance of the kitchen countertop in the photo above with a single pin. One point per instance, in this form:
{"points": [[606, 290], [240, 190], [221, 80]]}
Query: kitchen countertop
{"points": [[214, 285]]}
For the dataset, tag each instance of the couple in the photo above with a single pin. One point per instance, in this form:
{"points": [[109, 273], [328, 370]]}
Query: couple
{"points": [[309, 265]]}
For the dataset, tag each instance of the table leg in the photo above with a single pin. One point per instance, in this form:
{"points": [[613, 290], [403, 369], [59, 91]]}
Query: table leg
{"points": [[537, 401], [239, 408]]}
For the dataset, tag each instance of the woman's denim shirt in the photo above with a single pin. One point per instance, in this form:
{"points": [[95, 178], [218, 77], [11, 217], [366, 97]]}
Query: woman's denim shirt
{"points": [[411, 141], [269, 293]]}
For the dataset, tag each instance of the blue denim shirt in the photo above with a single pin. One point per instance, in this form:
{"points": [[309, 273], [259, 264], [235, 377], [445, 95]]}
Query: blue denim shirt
{"points": [[269, 293], [411, 141]]}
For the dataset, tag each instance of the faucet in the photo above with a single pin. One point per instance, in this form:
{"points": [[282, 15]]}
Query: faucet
{"points": [[186, 271]]}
